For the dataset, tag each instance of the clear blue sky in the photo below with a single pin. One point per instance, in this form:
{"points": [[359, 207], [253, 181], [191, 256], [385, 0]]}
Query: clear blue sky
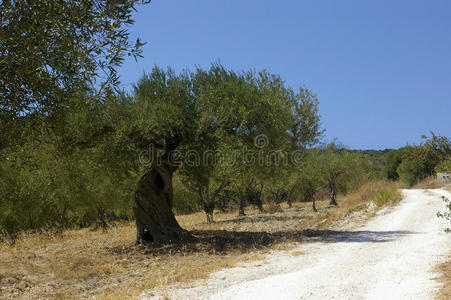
{"points": [[381, 69]]}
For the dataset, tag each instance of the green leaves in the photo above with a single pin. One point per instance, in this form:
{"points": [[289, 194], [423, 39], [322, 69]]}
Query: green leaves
{"points": [[223, 112], [51, 49], [420, 161], [70, 165], [447, 213]]}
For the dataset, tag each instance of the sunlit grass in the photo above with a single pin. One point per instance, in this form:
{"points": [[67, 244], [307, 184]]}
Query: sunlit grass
{"points": [[107, 265]]}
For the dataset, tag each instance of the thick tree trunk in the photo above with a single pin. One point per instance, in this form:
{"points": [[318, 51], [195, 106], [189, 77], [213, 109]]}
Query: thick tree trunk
{"points": [[333, 194], [155, 221]]}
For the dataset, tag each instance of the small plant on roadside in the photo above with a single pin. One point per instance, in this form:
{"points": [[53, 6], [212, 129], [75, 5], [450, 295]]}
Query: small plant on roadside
{"points": [[386, 196], [447, 214]]}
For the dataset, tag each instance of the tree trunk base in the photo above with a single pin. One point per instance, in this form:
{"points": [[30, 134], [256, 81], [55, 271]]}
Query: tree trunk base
{"points": [[152, 207], [209, 217]]}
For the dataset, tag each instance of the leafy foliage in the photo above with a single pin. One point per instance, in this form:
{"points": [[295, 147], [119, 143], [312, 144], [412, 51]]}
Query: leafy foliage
{"points": [[444, 166], [392, 162], [50, 50], [419, 161], [387, 195], [447, 213], [72, 146], [82, 167]]}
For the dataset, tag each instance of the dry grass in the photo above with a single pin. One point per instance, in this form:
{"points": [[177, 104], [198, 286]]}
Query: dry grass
{"points": [[428, 183], [445, 270], [445, 278], [107, 265], [297, 253]]}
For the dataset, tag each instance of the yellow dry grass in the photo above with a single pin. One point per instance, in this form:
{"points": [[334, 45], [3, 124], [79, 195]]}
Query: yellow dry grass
{"points": [[108, 265], [428, 183], [297, 253], [445, 278], [445, 270]]}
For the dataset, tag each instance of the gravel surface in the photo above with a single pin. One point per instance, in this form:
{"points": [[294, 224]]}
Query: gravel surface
{"points": [[390, 257]]}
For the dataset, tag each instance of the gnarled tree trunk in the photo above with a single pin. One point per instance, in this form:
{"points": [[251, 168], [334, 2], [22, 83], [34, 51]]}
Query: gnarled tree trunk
{"points": [[155, 221]]}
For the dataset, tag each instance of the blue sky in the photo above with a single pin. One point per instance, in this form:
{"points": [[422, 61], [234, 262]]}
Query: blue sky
{"points": [[381, 69]]}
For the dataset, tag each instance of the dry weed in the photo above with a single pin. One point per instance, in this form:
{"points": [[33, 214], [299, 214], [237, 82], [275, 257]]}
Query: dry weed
{"points": [[428, 183], [108, 265], [445, 278], [297, 253]]}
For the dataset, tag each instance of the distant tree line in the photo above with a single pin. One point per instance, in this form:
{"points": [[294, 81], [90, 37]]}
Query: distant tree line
{"points": [[413, 163]]}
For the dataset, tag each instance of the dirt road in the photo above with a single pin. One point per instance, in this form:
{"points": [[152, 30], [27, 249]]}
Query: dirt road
{"points": [[390, 257]]}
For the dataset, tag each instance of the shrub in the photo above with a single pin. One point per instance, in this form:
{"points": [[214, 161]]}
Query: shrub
{"points": [[392, 162], [410, 171], [389, 195], [185, 201], [444, 166], [446, 214], [420, 161]]}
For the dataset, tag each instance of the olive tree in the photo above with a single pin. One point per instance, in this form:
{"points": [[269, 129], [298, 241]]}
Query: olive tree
{"points": [[309, 177], [337, 164], [244, 115], [50, 50]]}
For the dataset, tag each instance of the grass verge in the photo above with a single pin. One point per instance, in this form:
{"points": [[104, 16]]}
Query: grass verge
{"points": [[107, 265]]}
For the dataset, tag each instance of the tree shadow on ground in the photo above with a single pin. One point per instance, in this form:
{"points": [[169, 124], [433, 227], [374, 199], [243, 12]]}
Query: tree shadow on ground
{"points": [[260, 218], [223, 241]]}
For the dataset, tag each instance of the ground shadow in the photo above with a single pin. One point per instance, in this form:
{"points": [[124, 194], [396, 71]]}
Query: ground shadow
{"points": [[364, 236], [261, 218], [223, 241]]}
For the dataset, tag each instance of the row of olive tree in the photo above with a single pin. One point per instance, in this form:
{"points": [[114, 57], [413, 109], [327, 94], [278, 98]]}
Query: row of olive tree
{"points": [[83, 162], [249, 133], [58, 63], [72, 147]]}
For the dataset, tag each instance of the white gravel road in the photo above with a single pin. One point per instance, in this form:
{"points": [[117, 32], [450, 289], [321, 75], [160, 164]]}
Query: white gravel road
{"points": [[390, 257]]}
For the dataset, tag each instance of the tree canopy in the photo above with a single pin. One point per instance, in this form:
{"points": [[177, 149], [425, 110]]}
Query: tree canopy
{"points": [[51, 50]]}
